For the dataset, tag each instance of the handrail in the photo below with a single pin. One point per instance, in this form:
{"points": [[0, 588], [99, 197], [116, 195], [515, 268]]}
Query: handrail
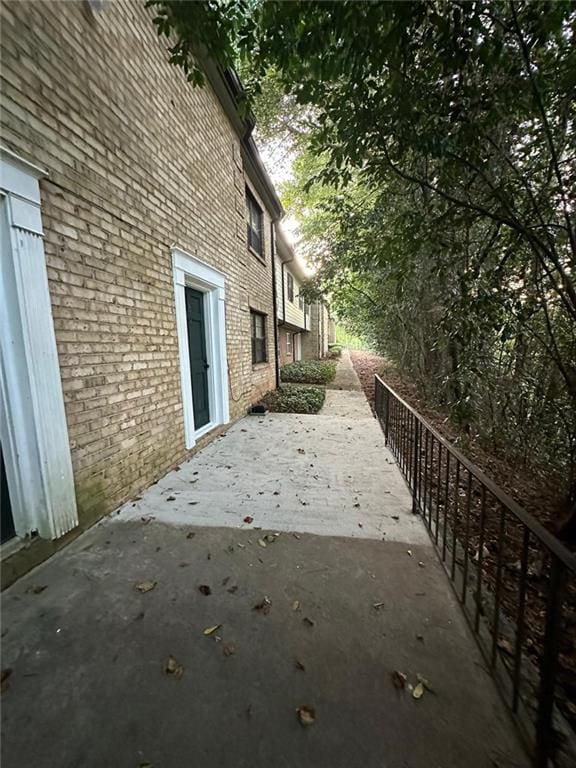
{"points": [[547, 538], [441, 480]]}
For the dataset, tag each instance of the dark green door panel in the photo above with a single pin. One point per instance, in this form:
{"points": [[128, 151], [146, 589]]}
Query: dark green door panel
{"points": [[7, 521], [198, 358]]}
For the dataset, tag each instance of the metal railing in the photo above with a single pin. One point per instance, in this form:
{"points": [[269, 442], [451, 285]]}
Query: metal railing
{"points": [[509, 572]]}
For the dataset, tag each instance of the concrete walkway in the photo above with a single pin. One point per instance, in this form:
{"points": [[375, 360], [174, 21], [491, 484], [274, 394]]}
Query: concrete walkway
{"points": [[321, 621]]}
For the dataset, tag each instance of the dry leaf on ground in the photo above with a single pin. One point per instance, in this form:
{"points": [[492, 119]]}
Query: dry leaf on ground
{"points": [[210, 630], [204, 589], [505, 645], [229, 649], [306, 715], [190, 535], [425, 683], [378, 605], [399, 679], [4, 675], [248, 519], [299, 665], [296, 605], [35, 590], [262, 543], [263, 606], [418, 691], [173, 668], [308, 622], [145, 586]]}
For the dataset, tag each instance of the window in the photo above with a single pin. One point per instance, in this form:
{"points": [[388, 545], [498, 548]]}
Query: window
{"points": [[290, 286], [258, 321], [254, 224], [301, 302], [288, 343]]}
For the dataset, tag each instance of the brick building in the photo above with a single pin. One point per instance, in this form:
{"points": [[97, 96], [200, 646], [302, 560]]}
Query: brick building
{"points": [[137, 264], [303, 327]]}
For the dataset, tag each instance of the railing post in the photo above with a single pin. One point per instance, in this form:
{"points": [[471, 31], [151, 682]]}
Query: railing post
{"points": [[416, 466], [544, 722], [387, 419]]}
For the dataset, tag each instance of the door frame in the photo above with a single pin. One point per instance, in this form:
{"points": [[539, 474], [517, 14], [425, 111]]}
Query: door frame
{"points": [[188, 271], [33, 428]]}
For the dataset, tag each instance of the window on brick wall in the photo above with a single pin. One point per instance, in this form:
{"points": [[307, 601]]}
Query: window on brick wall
{"points": [[288, 343], [290, 287], [254, 224], [259, 346]]}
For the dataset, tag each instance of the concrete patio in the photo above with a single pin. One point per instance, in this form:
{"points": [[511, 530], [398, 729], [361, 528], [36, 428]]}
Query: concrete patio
{"points": [[354, 593]]}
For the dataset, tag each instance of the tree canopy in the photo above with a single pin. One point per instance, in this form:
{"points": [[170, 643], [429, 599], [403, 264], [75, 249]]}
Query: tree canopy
{"points": [[436, 182]]}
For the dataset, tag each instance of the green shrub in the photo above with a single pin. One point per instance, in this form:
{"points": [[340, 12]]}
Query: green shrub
{"points": [[295, 398], [309, 372], [334, 351]]}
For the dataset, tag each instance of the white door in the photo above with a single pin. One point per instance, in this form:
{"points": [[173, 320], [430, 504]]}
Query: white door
{"points": [[297, 346]]}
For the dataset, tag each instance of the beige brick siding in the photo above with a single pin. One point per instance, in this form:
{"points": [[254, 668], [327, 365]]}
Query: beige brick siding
{"points": [[138, 161]]}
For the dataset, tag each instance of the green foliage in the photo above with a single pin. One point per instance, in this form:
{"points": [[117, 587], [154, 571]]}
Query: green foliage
{"points": [[334, 351], [309, 371], [295, 398]]}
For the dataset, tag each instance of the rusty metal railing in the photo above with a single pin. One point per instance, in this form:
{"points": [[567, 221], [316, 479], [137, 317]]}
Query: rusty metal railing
{"points": [[509, 572]]}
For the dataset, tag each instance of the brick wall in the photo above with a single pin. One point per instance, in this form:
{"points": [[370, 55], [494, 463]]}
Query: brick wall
{"points": [[283, 354], [138, 161]]}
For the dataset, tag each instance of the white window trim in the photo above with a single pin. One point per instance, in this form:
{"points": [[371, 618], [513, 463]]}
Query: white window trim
{"points": [[288, 343], [33, 428], [190, 272]]}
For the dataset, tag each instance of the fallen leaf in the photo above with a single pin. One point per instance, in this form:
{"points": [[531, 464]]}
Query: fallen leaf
{"points": [[301, 450], [296, 605], [409, 552], [36, 589], [248, 519], [395, 517], [4, 675], [425, 683], [263, 606], [418, 691], [205, 589], [308, 621], [145, 586], [306, 715], [210, 630], [357, 504], [360, 525], [378, 605], [420, 637], [299, 665], [296, 536], [190, 535], [228, 649], [505, 645], [241, 546], [399, 679], [170, 498], [421, 564], [173, 668], [262, 543]]}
